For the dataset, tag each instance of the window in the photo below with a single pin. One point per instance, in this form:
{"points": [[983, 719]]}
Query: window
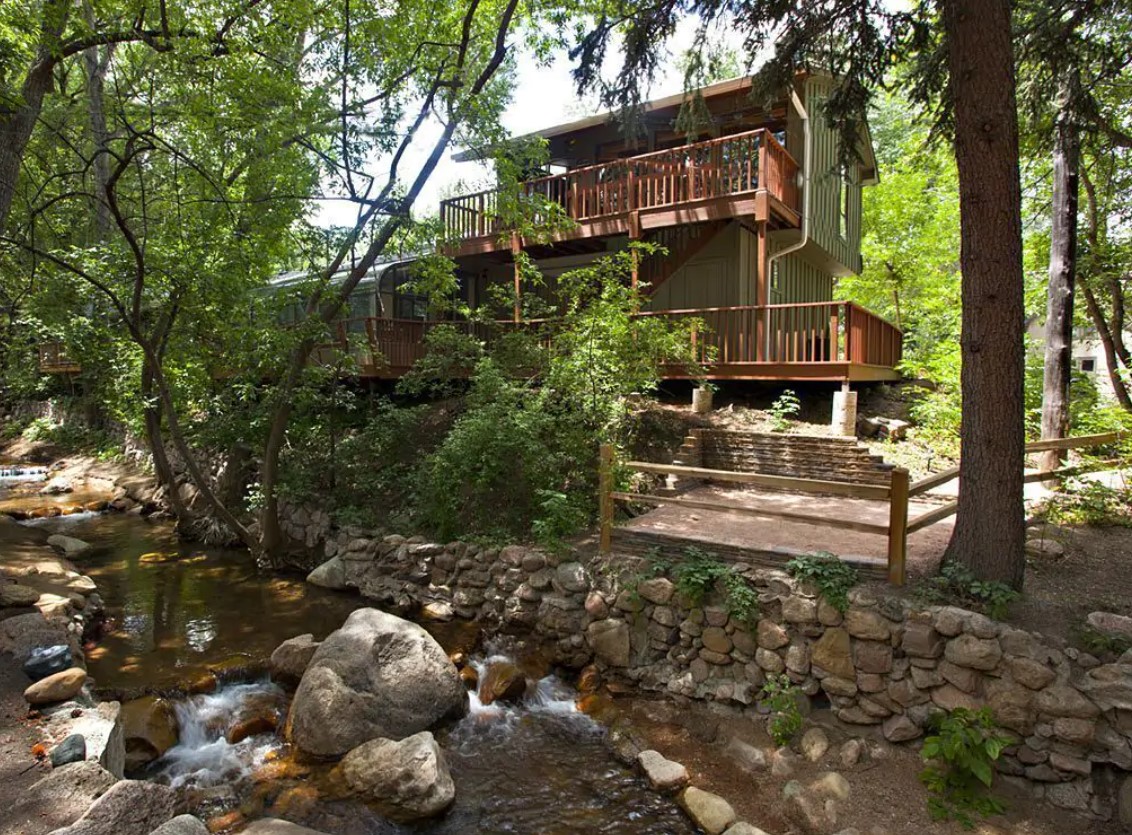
{"points": [[1088, 364]]}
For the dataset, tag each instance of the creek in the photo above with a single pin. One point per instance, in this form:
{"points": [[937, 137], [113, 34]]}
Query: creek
{"points": [[177, 612]]}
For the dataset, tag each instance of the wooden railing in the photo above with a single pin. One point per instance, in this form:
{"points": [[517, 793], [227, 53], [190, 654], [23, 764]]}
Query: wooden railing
{"points": [[814, 332], [809, 332], [718, 168], [54, 359], [1081, 442], [896, 494]]}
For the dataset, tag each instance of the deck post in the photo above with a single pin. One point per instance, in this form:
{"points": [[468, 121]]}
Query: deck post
{"points": [[762, 292], [605, 499], [516, 246], [898, 526]]}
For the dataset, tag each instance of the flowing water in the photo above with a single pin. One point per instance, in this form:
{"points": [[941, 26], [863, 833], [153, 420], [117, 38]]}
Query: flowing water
{"points": [[177, 611]]}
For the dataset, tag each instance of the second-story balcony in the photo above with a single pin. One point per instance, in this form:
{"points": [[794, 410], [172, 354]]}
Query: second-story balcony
{"points": [[741, 175]]}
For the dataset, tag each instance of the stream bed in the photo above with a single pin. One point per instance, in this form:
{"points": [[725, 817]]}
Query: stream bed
{"points": [[178, 611]]}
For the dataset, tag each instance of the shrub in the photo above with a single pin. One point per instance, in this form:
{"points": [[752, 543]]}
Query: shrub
{"points": [[785, 408], [699, 572], [833, 576], [956, 585], [782, 697], [1087, 502], [960, 757]]}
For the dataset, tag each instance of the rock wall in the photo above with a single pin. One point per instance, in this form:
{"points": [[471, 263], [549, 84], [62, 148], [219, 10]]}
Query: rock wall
{"points": [[884, 662]]}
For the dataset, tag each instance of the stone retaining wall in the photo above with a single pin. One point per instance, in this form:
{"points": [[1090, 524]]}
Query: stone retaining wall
{"points": [[885, 662]]}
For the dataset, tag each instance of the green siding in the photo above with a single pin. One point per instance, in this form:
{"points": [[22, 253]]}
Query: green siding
{"points": [[794, 279], [841, 241]]}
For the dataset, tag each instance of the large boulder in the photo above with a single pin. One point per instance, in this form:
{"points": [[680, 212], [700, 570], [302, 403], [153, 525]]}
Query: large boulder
{"points": [[150, 728], [406, 780], [129, 807], [57, 799], [377, 676]]}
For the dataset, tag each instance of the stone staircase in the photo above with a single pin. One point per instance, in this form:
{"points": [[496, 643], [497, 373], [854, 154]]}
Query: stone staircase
{"points": [[798, 456]]}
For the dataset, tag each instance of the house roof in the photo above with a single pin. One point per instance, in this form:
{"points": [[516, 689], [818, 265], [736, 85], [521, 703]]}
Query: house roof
{"points": [[720, 88]]}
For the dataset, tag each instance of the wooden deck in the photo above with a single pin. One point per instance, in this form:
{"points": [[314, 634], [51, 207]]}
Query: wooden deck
{"points": [[54, 359], [830, 341], [743, 175]]}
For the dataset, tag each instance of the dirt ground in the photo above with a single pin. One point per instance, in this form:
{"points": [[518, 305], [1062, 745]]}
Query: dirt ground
{"points": [[886, 795], [704, 527]]}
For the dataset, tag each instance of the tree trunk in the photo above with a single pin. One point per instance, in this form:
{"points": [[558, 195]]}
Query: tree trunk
{"points": [[989, 527], [156, 440], [17, 119], [1062, 278], [1108, 344]]}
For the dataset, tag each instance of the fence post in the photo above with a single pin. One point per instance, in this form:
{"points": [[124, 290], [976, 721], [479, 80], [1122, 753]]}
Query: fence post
{"points": [[605, 499], [898, 526]]}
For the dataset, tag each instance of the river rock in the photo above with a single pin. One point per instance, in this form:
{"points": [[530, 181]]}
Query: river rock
{"points": [[70, 750], [57, 687], [1109, 624], [744, 828], [129, 807], [815, 742], [274, 826], [57, 799], [182, 825], [14, 594], [708, 811], [406, 780], [46, 661], [502, 682], [663, 774], [330, 575], [610, 641], [149, 728], [69, 546], [292, 657], [377, 676]]}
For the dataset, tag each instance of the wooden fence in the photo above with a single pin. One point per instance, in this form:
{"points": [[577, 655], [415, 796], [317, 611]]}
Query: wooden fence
{"points": [[898, 493]]}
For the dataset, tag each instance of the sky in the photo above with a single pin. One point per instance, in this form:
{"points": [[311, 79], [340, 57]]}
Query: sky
{"points": [[544, 96]]}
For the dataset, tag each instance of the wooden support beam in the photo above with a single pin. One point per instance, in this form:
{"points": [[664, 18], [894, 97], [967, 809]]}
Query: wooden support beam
{"points": [[732, 507], [516, 248], [927, 483], [805, 485], [898, 526], [932, 516], [1075, 443]]}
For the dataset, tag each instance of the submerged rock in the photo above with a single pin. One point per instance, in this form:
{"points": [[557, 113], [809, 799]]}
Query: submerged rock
{"points": [[69, 546], [502, 682], [406, 780], [150, 729], [377, 676]]}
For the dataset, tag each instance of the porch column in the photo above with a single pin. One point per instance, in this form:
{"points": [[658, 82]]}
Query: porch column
{"points": [[762, 290], [845, 411], [516, 246], [634, 235]]}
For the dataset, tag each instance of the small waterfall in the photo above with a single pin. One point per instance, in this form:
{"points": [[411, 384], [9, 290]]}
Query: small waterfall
{"points": [[13, 474], [204, 757]]}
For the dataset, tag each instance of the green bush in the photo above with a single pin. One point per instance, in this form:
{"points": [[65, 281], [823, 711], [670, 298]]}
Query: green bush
{"points": [[956, 585], [832, 576], [782, 697], [960, 755], [699, 573], [1087, 502], [784, 409]]}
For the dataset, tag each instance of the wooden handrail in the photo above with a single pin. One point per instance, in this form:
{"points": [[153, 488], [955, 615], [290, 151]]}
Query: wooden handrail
{"points": [[1076, 443], [804, 485]]}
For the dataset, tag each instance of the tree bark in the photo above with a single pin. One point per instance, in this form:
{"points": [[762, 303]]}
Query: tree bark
{"points": [[989, 528], [17, 119], [1062, 279], [1108, 345]]}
